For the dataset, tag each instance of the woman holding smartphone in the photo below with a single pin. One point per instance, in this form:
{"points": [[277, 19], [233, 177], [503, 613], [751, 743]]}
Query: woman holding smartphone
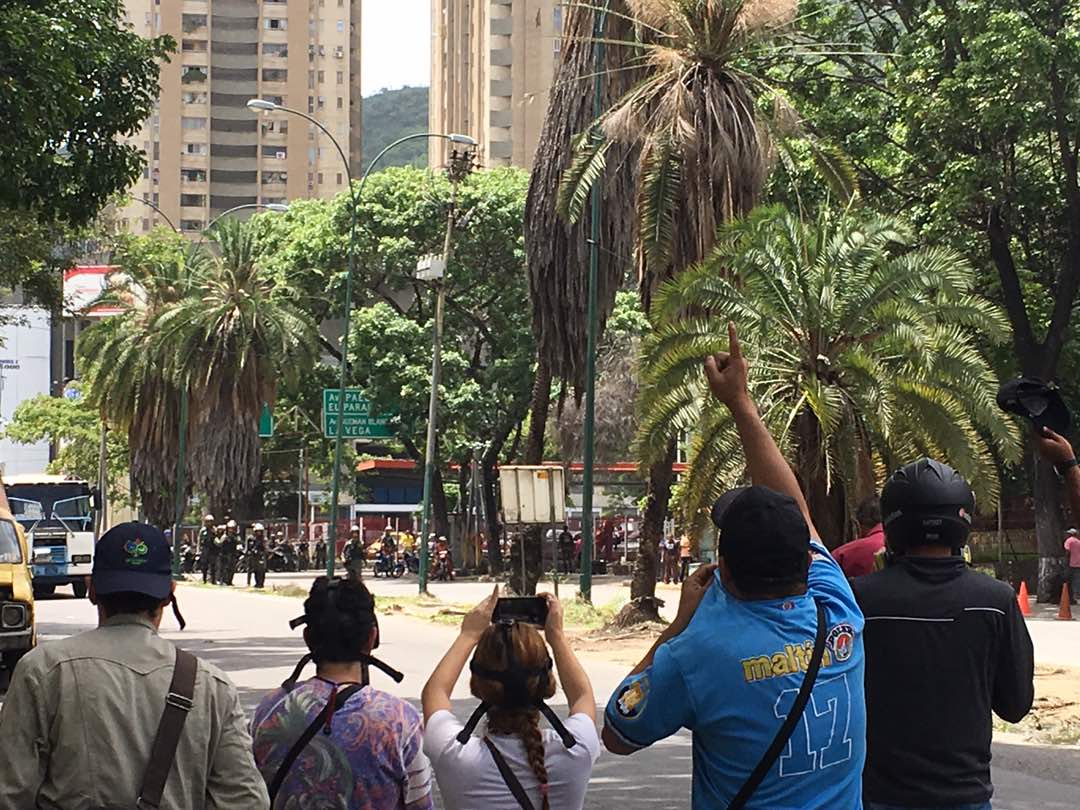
{"points": [[512, 674]]}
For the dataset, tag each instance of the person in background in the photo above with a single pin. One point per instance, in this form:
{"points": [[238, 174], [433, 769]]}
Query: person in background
{"points": [[551, 774], [566, 550], [205, 540], [228, 553], [258, 554], [82, 712], [729, 667], [670, 558], [320, 553], [857, 557], [685, 555], [353, 553], [368, 754]]}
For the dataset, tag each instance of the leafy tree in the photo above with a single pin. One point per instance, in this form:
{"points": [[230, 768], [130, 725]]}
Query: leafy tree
{"points": [[964, 115], [487, 343], [75, 427], [864, 350], [124, 364], [228, 342], [75, 80]]}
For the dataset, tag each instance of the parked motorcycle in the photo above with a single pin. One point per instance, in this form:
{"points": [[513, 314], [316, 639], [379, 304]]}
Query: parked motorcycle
{"points": [[412, 562], [388, 565]]}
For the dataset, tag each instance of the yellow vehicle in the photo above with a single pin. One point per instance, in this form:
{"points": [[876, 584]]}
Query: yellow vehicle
{"points": [[17, 634]]}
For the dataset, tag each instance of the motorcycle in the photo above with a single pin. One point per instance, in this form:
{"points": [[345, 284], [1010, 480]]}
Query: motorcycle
{"points": [[188, 554], [281, 560], [443, 570], [412, 562], [389, 565]]}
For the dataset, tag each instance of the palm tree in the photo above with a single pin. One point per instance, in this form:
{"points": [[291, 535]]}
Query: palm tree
{"points": [[229, 342], [125, 371], [865, 353], [702, 150]]}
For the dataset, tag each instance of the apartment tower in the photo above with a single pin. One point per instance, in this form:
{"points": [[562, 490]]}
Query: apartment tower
{"points": [[206, 152], [492, 63]]}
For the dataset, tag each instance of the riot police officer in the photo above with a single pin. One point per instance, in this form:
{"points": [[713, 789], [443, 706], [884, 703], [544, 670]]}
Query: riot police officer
{"points": [[353, 553], [257, 554], [303, 554], [205, 540], [213, 554], [320, 554], [230, 549]]}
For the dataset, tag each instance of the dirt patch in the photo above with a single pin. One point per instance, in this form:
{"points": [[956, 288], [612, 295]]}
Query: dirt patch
{"points": [[1055, 716]]}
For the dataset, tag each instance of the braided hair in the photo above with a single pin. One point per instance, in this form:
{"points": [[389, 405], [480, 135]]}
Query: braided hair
{"points": [[340, 616], [530, 652]]}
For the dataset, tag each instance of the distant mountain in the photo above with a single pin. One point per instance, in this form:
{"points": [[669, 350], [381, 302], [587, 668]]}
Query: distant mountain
{"points": [[393, 114]]}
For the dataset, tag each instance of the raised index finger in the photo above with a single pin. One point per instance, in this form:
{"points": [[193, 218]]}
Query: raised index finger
{"points": [[733, 342]]}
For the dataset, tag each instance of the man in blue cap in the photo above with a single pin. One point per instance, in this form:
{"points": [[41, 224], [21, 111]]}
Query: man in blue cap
{"points": [[764, 661], [85, 717]]}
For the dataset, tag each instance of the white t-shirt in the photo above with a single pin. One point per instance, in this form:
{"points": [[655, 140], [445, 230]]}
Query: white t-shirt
{"points": [[469, 779]]}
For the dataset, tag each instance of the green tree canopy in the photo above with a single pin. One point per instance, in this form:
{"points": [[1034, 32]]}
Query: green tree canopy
{"points": [[864, 355], [75, 80]]}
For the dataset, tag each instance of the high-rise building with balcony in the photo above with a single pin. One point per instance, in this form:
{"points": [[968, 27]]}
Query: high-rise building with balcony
{"points": [[206, 152], [492, 63]]}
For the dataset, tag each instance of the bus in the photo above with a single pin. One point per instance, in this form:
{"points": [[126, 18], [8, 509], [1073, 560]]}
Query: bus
{"points": [[57, 515]]}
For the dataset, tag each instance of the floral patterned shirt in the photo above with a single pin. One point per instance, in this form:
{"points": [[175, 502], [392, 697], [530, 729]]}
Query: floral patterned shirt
{"points": [[372, 759]]}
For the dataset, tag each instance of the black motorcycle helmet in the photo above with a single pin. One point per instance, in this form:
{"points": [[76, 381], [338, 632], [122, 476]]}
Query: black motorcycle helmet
{"points": [[926, 503]]}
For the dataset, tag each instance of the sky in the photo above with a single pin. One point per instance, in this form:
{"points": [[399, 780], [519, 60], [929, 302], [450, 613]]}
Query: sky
{"points": [[396, 43]]}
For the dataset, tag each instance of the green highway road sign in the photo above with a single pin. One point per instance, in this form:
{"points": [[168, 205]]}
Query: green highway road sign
{"points": [[360, 423]]}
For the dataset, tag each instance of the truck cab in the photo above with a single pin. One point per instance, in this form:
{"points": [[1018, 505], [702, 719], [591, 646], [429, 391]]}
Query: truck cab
{"points": [[57, 515], [17, 635]]}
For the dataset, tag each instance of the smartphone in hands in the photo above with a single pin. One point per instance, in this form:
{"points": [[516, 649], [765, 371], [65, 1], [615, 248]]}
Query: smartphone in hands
{"points": [[525, 609]]}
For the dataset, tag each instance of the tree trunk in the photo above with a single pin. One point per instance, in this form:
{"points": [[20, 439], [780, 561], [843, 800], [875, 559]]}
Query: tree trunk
{"points": [[1049, 529], [440, 514], [534, 454], [658, 493], [827, 507], [491, 512]]}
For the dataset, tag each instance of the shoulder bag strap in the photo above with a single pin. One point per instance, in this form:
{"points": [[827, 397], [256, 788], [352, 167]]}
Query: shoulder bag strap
{"points": [[163, 752], [309, 733], [508, 776], [784, 734]]}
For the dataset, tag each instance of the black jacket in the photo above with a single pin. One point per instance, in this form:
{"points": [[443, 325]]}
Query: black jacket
{"points": [[945, 645]]}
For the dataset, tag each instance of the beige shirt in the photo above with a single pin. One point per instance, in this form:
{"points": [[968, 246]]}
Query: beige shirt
{"points": [[81, 714]]}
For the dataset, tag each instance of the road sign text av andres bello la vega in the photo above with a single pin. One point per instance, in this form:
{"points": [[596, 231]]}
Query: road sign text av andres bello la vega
{"points": [[359, 423]]}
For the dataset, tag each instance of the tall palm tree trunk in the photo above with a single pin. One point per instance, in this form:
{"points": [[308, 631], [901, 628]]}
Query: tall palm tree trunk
{"points": [[827, 504], [644, 606], [530, 538]]}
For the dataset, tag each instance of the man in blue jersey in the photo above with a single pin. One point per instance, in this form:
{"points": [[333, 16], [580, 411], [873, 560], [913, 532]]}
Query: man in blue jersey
{"points": [[730, 666]]}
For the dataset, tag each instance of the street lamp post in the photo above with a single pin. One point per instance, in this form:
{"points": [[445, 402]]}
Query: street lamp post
{"points": [[260, 105]]}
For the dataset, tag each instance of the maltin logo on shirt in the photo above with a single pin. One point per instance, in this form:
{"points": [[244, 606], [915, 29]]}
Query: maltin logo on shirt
{"points": [[136, 550], [841, 640]]}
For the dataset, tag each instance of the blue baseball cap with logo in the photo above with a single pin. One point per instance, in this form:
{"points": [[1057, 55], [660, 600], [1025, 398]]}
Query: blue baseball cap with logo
{"points": [[133, 558]]}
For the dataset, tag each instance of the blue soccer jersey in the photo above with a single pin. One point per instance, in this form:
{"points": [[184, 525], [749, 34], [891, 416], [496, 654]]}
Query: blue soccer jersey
{"points": [[731, 678]]}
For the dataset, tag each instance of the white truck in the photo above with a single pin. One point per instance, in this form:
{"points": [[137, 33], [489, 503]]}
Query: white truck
{"points": [[57, 514]]}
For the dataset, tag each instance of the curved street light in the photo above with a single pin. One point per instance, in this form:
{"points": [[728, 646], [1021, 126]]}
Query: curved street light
{"points": [[164, 216], [278, 208], [260, 105]]}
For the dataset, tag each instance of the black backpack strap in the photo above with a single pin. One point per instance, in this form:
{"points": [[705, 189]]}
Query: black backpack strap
{"points": [[309, 733], [163, 751], [508, 776], [784, 734]]}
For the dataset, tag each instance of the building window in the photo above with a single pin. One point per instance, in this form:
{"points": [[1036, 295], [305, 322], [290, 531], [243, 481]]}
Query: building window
{"points": [[196, 200], [194, 97], [275, 99], [189, 122], [146, 224], [193, 175], [193, 74], [195, 148], [341, 25], [340, 103], [310, 104], [339, 178], [192, 22], [311, 80], [270, 178], [275, 74], [322, 102], [191, 225], [320, 178], [275, 49], [275, 23], [322, 77], [195, 45], [273, 201], [341, 77], [270, 127], [274, 151]]}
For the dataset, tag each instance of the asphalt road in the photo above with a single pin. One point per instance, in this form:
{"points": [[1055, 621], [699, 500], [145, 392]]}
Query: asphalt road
{"points": [[248, 636]]}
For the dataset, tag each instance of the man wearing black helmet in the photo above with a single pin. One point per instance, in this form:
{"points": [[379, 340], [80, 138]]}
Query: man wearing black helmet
{"points": [[945, 646]]}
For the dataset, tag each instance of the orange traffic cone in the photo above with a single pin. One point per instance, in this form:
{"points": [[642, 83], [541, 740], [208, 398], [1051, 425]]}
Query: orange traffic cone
{"points": [[1065, 611], [1022, 599]]}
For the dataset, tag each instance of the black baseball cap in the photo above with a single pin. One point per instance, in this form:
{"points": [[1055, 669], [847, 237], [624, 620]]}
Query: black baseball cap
{"points": [[135, 558], [763, 537]]}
